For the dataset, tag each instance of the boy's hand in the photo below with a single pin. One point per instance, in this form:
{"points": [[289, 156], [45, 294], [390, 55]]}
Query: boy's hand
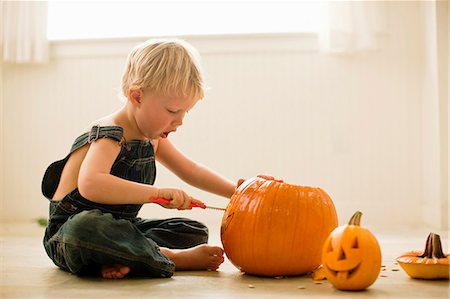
{"points": [[263, 176], [178, 199]]}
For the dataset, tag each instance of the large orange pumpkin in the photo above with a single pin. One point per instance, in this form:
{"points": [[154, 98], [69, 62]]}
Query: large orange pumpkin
{"points": [[272, 228]]}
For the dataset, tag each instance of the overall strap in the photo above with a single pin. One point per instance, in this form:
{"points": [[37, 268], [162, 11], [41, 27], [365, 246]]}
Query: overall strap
{"points": [[114, 132], [53, 173]]}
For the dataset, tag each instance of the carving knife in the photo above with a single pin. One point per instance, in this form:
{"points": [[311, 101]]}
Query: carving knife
{"points": [[192, 205]]}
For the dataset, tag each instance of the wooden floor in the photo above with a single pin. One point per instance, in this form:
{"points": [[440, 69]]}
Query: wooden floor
{"points": [[26, 272]]}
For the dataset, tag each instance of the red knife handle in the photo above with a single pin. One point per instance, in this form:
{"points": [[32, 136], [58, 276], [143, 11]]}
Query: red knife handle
{"points": [[161, 200]]}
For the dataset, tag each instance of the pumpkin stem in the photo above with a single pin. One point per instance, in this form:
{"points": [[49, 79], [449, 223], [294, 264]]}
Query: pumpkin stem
{"points": [[433, 247], [356, 219]]}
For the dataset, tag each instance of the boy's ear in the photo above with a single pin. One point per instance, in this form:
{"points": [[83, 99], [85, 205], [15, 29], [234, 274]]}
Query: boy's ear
{"points": [[134, 95]]}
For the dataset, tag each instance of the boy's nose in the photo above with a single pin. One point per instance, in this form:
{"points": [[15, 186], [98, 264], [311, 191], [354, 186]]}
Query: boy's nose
{"points": [[178, 121]]}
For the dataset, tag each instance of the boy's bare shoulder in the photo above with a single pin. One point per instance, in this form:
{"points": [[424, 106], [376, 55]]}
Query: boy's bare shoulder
{"points": [[103, 122]]}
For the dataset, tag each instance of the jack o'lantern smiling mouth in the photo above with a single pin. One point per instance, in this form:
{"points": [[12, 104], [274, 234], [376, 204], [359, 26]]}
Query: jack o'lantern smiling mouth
{"points": [[344, 274]]}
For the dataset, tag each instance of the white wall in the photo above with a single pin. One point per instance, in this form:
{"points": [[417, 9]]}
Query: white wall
{"points": [[352, 125], [2, 208], [434, 115], [443, 36]]}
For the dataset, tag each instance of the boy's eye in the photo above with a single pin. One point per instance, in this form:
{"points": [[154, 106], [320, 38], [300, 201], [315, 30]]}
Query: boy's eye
{"points": [[172, 111]]}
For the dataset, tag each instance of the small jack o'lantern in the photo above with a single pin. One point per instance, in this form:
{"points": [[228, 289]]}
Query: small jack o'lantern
{"points": [[351, 256]]}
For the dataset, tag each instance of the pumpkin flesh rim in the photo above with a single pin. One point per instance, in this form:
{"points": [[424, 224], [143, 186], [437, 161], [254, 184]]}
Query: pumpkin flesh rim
{"points": [[413, 257], [426, 271]]}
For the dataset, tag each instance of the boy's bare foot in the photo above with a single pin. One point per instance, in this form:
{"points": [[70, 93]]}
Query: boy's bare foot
{"points": [[114, 271], [201, 257]]}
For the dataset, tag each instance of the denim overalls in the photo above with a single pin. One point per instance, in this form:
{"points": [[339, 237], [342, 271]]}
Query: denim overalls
{"points": [[82, 235]]}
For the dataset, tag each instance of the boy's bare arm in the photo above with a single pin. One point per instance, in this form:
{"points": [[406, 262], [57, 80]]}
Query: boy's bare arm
{"points": [[97, 184], [191, 172]]}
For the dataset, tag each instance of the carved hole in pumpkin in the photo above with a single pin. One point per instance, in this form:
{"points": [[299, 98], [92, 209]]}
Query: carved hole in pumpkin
{"points": [[330, 247], [349, 273], [334, 272], [342, 255], [355, 243]]}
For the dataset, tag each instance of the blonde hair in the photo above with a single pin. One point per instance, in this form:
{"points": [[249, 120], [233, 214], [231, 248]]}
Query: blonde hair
{"points": [[169, 67]]}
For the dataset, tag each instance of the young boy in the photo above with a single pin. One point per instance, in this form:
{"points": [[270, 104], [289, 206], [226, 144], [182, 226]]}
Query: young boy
{"points": [[96, 192]]}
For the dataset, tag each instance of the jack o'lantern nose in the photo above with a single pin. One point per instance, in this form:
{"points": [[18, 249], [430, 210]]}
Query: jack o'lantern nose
{"points": [[342, 255]]}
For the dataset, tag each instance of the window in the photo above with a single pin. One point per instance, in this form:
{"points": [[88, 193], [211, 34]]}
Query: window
{"points": [[110, 19]]}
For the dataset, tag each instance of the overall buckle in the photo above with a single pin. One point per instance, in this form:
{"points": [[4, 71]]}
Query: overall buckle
{"points": [[93, 134]]}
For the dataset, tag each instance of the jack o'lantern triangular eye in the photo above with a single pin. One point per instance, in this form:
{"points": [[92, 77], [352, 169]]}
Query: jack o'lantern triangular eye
{"points": [[355, 243], [330, 247]]}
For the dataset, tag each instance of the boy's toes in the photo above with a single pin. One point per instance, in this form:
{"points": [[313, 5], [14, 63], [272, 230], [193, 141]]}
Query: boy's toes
{"points": [[216, 251], [215, 262], [124, 270], [114, 271]]}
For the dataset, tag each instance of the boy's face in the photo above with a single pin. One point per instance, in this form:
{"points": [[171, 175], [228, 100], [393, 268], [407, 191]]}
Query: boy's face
{"points": [[157, 116]]}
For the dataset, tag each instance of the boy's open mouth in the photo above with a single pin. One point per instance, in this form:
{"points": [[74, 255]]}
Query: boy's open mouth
{"points": [[165, 134]]}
